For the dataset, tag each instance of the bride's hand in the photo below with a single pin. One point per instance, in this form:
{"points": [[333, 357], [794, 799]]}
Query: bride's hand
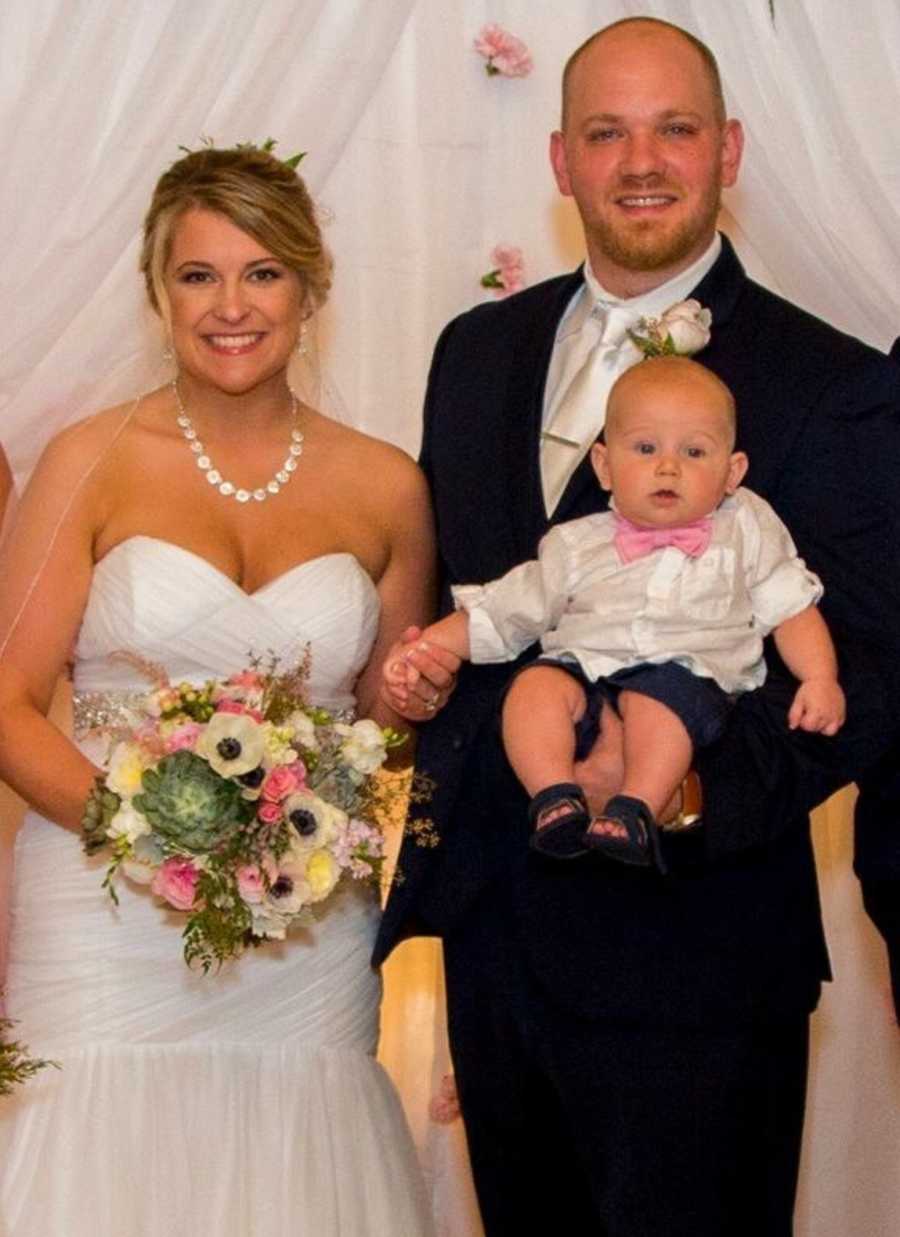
{"points": [[418, 677]]}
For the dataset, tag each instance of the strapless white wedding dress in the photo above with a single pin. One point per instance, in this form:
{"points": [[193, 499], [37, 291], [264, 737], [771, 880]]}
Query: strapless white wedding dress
{"points": [[245, 1103]]}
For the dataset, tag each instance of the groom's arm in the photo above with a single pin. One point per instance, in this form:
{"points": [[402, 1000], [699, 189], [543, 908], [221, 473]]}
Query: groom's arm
{"points": [[839, 498]]}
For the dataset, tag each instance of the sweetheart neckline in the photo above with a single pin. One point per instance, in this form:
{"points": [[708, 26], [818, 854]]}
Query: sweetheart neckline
{"points": [[223, 575]]}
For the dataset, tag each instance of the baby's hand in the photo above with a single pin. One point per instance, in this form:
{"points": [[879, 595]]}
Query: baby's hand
{"points": [[818, 706], [398, 673], [418, 676]]}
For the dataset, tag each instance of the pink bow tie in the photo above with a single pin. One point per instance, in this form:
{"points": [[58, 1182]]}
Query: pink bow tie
{"points": [[634, 542]]}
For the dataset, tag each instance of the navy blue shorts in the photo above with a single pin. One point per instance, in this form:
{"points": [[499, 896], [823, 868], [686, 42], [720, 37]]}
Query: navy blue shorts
{"points": [[698, 702]]}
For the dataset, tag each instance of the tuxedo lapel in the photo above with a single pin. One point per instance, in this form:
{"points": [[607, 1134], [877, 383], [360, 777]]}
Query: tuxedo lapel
{"points": [[745, 350], [720, 288], [520, 461]]}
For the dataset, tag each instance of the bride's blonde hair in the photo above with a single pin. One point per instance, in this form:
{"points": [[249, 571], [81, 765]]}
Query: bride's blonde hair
{"points": [[258, 193]]}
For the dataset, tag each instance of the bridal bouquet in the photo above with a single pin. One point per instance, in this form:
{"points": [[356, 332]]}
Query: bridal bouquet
{"points": [[240, 805]]}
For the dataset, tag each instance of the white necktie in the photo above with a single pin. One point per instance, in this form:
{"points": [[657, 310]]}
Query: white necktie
{"points": [[597, 361]]}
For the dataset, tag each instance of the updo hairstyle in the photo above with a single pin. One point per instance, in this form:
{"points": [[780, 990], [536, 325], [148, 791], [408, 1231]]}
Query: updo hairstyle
{"points": [[258, 193]]}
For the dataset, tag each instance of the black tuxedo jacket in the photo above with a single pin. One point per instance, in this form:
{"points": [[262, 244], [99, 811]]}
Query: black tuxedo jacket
{"points": [[734, 933]]}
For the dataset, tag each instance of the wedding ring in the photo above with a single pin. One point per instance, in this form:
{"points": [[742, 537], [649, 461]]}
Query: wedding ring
{"points": [[430, 705]]}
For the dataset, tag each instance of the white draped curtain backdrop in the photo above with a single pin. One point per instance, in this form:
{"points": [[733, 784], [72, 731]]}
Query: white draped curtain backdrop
{"points": [[422, 163]]}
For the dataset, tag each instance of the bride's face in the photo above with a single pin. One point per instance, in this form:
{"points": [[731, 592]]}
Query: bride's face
{"points": [[236, 311]]}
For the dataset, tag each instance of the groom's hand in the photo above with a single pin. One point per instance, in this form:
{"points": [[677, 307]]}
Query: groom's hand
{"points": [[418, 676]]}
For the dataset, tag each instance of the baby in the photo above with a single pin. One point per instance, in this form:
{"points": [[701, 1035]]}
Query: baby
{"points": [[657, 608]]}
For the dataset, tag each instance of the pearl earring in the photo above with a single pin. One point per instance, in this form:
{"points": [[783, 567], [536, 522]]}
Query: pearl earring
{"points": [[302, 346]]}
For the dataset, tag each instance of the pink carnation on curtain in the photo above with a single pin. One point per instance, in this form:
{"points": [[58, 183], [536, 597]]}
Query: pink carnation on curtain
{"points": [[504, 52], [444, 1106], [508, 271]]}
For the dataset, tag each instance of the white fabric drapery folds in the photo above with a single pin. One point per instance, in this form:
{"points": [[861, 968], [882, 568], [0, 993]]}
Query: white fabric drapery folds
{"points": [[426, 163]]}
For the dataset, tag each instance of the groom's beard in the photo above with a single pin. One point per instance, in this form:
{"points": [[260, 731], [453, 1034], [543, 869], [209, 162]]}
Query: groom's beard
{"points": [[653, 244]]}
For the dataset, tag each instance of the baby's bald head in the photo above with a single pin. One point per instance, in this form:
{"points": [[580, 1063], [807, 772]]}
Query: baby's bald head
{"points": [[664, 378]]}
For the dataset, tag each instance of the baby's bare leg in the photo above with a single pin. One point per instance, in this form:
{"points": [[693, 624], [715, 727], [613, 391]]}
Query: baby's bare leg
{"points": [[657, 753], [540, 712]]}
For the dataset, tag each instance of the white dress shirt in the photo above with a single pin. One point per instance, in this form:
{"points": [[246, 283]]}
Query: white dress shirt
{"points": [[580, 331], [709, 613]]}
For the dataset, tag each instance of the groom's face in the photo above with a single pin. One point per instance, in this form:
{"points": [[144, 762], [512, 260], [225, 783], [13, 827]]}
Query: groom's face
{"points": [[645, 152]]}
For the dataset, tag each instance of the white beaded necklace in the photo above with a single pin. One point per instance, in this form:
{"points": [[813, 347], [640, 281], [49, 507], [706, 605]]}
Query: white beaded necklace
{"points": [[214, 477]]}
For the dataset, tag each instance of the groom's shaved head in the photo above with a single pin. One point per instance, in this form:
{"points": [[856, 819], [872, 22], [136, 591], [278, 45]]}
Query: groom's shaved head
{"points": [[647, 27]]}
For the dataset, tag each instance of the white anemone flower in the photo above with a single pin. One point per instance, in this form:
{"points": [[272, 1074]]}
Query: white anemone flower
{"points": [[314, 822], [289, 892], [233, 743]]}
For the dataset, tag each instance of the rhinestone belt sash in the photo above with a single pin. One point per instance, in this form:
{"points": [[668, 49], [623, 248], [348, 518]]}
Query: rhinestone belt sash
{"points": [[106, 712]]}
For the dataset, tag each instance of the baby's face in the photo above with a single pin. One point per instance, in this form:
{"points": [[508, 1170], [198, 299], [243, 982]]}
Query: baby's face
{"points": [[668, 457]]}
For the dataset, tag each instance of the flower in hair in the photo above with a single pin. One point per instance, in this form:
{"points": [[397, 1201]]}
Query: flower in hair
{"points": [[267, 147], [681, 331], [505, 54], [508, 273]]}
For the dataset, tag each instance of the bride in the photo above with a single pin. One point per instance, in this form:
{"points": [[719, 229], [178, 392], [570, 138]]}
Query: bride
{"points": [[214, 518]]}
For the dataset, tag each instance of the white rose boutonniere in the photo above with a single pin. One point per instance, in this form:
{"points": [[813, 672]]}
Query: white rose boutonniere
{"points": [[681, 331]]}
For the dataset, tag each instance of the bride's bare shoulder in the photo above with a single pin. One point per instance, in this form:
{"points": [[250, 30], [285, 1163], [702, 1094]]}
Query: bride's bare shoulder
{"points": [[88, 442], [379, 464]]}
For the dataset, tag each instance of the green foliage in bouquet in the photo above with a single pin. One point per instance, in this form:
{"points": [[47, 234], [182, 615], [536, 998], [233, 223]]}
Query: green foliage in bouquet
{"points": [[16, 1066], [284, 689], [222, 925], [193, 702], [99, 810], [187, 802]]}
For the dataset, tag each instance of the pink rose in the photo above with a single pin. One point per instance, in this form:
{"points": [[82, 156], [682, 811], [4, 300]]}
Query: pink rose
{"points": [[234, 706], [509, 262], [248, 679], [282, 781], [508, 274], [250, 883], [148, 738], [504, 52], [176, 882], [269, 813], [184, 737]]}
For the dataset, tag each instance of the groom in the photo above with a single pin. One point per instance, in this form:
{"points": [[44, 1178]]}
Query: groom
{"points": [[630, 1049]]}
